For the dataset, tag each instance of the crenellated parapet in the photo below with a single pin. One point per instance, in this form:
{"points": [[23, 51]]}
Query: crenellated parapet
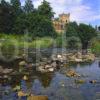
{"points": [[59, 23]]}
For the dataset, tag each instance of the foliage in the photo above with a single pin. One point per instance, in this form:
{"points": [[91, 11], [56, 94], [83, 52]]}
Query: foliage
{"points": [[86, 33], [95, 46], [83, 31], [46, 10], [5, 17], [18, 19], [16, 4], [29, 7], [71, 29], [73, 43], [20, 41]]}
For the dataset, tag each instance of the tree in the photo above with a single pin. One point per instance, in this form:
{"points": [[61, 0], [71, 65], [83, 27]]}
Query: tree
{"points": [[86, 33], [71, 29], [73, 43], [5, 17], [39, 26], [46, 10], [28, 8], [17, 11], [43, 27], [21, 24], [16, 4]]}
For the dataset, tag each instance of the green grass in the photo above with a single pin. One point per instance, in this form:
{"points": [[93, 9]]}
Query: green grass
{"points": [[96, 47], [22, 41]]}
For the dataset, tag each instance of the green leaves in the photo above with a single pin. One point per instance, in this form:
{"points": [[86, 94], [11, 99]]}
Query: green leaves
{"points": [[29, 7], [46, 10], [83, 31]]}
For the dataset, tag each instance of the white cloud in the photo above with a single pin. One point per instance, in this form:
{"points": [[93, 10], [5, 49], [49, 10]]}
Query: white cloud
{"points": [[79, 12]]}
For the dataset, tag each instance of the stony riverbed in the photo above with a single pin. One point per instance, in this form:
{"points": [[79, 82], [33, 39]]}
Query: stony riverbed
{"points": [[74, 81]]}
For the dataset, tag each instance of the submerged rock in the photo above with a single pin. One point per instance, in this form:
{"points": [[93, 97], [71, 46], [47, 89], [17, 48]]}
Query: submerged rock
{"points": [[93, 81], [80, 81], [32, 97], [22, 94], [72, 73]]}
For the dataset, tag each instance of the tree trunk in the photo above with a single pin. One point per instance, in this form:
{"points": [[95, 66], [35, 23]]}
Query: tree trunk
{"points": [[84, 47]]}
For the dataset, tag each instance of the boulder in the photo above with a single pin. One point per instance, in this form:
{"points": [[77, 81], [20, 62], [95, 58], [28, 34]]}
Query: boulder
{"points": [[22, 94], [78, 60], [50, 69], [7, 71], [25, 78], [54, 64], [93, 81], [89, 57], [22, 63], [47, 66], [79, 55], [32, 97], [72, 73]]}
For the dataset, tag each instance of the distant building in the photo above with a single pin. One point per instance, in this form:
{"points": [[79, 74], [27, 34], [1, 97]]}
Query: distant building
{"points": [[59, 23]]}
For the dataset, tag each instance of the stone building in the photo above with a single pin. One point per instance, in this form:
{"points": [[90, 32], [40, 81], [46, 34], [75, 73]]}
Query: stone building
{"points": [[59, 23]]}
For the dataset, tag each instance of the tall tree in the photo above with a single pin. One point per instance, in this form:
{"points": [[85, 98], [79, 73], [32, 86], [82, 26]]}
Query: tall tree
{"points": [[46, 10], [71, 29], [86, 33], [29, 7], [16, 4], [5, 17]]}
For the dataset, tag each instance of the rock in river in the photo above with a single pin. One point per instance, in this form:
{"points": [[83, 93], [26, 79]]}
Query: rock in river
{"points": [[72, 73], [22, 63]]}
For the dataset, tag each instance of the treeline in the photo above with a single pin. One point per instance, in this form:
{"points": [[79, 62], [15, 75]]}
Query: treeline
{"points": [[16, 19], [82, 33]]}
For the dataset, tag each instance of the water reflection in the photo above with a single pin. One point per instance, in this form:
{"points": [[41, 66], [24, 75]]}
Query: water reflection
{"points": [[56, 85]]}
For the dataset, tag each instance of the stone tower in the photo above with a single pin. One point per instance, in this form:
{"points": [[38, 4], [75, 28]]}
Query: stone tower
{"points": [[59, 24]]}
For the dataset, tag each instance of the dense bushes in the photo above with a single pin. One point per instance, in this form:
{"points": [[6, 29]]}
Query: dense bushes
{"points": [[17, 19]]}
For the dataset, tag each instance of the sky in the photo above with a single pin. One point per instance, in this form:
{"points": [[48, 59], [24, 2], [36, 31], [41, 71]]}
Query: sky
{"points": [[81, 11]]}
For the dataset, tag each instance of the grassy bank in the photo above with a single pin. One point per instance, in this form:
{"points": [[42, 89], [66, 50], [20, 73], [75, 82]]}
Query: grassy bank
{"points": [[96, 47], [7, 42], [25, 41]]}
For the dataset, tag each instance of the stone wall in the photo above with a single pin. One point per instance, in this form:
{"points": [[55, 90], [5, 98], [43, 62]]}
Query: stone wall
{"points": [[59, 24]]}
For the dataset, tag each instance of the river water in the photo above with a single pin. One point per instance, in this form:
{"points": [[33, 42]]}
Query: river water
{"points": [[57, 86]]}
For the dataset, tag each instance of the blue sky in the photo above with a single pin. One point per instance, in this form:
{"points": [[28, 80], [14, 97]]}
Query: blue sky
{"points": [[82, 11]]}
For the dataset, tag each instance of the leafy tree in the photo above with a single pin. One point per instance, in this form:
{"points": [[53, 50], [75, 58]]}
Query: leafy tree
{"points": [[5, 17], [43, 27], [17, 11], [16, 4], [86, 33], [46, 10], [71, 29], [21, 24], [73, 43], [28, 8], [39, 26]]}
